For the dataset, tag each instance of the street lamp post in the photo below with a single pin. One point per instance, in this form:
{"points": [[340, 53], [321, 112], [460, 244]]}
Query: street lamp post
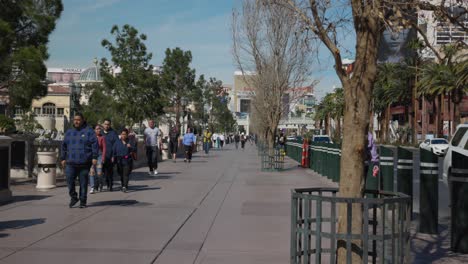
{"points": [[184, 102]]}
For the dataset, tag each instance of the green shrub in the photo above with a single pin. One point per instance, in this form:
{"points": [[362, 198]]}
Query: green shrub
{"points": [[7, 125]]}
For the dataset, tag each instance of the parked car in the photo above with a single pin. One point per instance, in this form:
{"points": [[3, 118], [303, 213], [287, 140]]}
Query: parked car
{"points": [[459, 143], [437, 146], [321, 139]]}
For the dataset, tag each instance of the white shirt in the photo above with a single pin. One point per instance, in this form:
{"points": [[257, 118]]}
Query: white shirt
{"points": [[221, 137], [151, 136], [214, 137]]}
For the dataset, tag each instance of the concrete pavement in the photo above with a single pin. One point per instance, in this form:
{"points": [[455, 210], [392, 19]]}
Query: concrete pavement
{"points": [[220, 209]]}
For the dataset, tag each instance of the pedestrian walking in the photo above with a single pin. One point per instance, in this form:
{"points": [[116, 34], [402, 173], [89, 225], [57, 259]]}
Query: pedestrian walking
{"points": [[242, 140], [189, 141], [213, 139], [111, 138], [237, 140], [152, 136], [96, 180], [122, 153], [79, 151], [207, 141], [133, 141], [174, 142], [221, 140]]}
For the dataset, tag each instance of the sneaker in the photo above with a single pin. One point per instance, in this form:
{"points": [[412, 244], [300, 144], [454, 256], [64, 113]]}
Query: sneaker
{"points": [[124, 189], [73, 201], [185, 160], [92, 191], [150, 173], [83, 205], [155, 172]]}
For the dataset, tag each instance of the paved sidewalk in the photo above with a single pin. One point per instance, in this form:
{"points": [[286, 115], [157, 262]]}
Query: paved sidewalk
{"points": [[218, 209]]}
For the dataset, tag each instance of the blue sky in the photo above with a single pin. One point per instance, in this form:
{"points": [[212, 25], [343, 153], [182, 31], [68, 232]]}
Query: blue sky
{"points": [[201, 26]]}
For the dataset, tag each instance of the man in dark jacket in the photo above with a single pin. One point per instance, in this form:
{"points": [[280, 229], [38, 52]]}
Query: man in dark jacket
{"points": [[111, 138], [79, 152]]}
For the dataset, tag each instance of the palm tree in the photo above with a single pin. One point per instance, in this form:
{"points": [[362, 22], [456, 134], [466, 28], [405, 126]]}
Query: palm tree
{"points": [[391, 87], [449, 76]]}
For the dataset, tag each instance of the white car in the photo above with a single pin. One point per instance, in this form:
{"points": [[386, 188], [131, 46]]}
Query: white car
{"points": [[438, 146], [459, 143]]}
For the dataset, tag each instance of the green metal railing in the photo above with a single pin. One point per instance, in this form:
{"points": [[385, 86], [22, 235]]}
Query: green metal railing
{"points": [[315, 235]]}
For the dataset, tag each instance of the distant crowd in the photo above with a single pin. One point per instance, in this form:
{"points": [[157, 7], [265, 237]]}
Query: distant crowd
{"points": [[90, 154]]}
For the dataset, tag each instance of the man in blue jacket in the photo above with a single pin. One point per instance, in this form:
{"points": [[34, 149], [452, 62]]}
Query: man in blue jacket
{"points": [[111, 138], [79, 152]]}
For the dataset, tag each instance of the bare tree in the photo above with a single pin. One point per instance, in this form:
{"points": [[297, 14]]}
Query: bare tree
{"points": [[368, 19], [273, 55]]}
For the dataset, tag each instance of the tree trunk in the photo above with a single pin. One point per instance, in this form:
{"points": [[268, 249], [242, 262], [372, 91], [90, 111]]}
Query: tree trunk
{"points": [[440, 121]]}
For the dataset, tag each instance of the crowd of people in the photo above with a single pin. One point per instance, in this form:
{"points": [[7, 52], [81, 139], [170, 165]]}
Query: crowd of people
{"points": [[90, 154]]}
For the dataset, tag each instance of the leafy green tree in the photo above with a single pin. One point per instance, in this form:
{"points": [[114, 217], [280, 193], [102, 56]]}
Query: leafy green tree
{"points": [[177, 79], [25, 27], [129, 84]]}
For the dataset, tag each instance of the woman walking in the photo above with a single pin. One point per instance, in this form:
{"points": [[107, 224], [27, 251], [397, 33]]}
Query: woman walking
{"points": [[174, 142], [95, 174], [122, 153], [189, 141]]}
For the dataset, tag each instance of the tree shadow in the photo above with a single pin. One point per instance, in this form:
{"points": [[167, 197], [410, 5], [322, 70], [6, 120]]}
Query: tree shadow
{"points": [[427, 248], [18, 224]]}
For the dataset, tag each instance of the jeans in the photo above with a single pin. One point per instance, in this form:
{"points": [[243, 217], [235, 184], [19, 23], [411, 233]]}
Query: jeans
{"points": [[108, 168], [237, 144], [188, 152], [207, 147], [72, 172], [95, 174], [124, 172], [152, 156]]}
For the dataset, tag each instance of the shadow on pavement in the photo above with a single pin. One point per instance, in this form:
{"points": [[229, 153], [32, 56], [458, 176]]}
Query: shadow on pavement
{"points": [[25, 198], [18, 224], [427, 248], [119, 203]]}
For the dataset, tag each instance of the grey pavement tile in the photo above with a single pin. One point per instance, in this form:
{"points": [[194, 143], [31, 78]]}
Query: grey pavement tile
{"points": [[236, 257], [22, 226], [72, 256], [6, 251], [170, 256], [128, 227]]}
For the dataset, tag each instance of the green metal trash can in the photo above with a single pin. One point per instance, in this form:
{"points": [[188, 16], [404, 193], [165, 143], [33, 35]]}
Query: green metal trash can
{"points": [[405, 172], [429, 192], [458, 182], [386, 168]]}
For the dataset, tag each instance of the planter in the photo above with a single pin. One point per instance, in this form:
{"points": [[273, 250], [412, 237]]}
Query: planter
{"points": [[5, 157], [314, 228], [47, 163]]}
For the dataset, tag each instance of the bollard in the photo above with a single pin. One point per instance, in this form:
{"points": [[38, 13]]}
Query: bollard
{"points": [[405, 172], [458, 182], [386, 168], [47, 164], [429, 192]]}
